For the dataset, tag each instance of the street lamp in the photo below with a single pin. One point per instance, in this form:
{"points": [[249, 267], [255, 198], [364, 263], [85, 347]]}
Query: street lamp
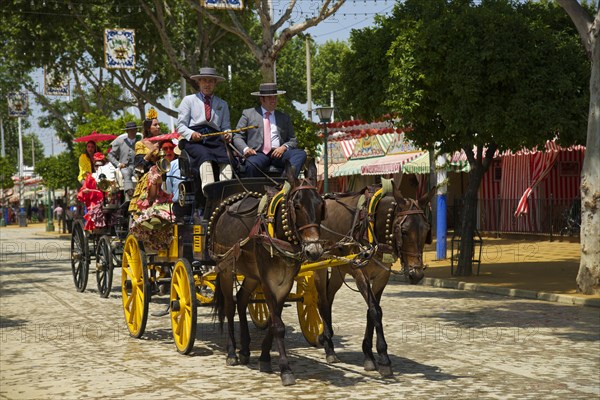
{"points": [[324, 114]]}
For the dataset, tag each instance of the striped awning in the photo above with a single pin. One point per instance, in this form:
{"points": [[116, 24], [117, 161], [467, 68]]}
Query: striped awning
{"points": [[352, 167], [419, 165], [391, 164]]}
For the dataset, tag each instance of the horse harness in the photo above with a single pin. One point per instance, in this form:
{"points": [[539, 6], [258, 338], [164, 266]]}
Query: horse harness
{"points": [[363, 226], [264, 228]]}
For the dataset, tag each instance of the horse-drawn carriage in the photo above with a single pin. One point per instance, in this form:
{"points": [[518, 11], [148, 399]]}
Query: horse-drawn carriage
{"points": [[100, 240], [262, 236]]}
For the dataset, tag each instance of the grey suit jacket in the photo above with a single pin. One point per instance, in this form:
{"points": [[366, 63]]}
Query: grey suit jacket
{"points": [[253, 138], [121, 151]]}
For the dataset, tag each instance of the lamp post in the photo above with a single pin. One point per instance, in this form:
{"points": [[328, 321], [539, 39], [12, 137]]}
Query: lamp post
{"points": [[324, 114], [49, 223]]}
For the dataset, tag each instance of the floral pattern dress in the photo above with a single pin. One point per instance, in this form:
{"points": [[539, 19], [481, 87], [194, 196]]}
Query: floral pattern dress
{"points": [[153, 224]]}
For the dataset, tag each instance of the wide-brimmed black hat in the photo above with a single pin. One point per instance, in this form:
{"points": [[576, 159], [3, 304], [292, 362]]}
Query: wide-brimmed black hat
{"points": [[131, 125], [208, 72], [268, 89]]}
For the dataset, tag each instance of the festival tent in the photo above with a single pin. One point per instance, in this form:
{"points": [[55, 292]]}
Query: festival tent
{"points": [[338, 153], [399, 152], [365, 150], [527, 190]]}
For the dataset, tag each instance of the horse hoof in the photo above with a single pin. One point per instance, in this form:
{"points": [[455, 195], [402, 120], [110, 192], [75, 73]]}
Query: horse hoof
{"points": [[288, 379], [265, 366], [332, 359], [386, 371], [369, 365], [244, 359], [231, 361]]}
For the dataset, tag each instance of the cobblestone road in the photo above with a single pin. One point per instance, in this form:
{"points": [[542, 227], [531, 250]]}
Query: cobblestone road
{"points": [[57, 343]]}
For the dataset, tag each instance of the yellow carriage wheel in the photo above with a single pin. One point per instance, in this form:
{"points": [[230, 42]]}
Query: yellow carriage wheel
{"points": [[259, 312], [134, 287], [308, 310], [183, 306]]}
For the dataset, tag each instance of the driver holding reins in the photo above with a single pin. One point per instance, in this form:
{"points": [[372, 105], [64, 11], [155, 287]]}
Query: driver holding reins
{"points": [[201, 114]]}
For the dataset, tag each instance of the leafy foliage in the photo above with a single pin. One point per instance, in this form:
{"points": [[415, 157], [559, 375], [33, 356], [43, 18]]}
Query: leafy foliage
{"points": [[327, 70], [58, 172], [494, 73], [7, 170]]}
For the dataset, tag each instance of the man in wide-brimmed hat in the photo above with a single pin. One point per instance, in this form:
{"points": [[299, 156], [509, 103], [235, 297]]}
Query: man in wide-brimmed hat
{"points": [[123, 153], [201, 114], [273, 141]]}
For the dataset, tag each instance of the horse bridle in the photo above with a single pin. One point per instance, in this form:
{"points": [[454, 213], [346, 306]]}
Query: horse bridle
{"points": [[290, 214], [405, 214]]}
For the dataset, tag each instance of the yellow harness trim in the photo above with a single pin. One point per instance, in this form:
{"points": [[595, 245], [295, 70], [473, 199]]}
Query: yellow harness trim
{"points": [[386, 186], [273, 207]]}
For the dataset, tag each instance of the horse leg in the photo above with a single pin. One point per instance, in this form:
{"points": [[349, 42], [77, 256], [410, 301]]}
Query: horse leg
{"points": [[385, 364], [362, 282], [243, 297], [324, 286], [226, 283], [278, 329], [264, 361]]}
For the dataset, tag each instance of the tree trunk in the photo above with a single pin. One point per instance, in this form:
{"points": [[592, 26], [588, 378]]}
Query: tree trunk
{"points": [[479, 163], [588, 278], [469, 222], [267, 69]]}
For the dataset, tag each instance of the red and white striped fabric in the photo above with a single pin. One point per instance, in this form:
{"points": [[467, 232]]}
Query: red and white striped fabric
{"points": [[348, 146], [542, 163]]}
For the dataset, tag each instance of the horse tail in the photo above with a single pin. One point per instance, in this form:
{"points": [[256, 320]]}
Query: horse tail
{"points": [[219, 303]]}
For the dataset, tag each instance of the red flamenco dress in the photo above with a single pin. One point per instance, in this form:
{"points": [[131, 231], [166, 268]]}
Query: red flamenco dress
{"points": [[92, 198]]}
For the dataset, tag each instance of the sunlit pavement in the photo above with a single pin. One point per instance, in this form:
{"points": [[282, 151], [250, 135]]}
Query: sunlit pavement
{"points": [[444, 343]]}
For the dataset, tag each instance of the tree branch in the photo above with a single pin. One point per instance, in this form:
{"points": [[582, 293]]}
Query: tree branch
{"points": [[582, 21], [159, 22]]}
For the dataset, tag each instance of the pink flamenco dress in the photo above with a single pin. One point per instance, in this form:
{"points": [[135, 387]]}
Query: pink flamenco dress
{"points": [[153, 224], [92, 198]]}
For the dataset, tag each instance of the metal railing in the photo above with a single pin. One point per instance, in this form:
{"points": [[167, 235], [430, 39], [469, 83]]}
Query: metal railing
{"points": [[547, 216]]}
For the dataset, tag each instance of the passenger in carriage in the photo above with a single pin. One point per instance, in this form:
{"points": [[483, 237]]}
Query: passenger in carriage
{"points": [[201, 114], [103, 167], [123, 153], [173, 179], [86, 165], [146, 155], [152, 223], [273, 141]]}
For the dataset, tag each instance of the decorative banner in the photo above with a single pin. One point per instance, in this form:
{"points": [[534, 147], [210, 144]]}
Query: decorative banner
{"points": [[55, 84], [18, 104], [237, 5], [119, 48]]}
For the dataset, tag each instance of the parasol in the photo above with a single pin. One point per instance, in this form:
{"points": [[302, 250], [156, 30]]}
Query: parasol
{"points": [[166, 136], [95, 136]]}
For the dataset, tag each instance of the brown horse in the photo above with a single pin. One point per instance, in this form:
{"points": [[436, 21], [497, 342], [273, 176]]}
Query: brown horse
{"points": [[268, 249], [399, 228]]}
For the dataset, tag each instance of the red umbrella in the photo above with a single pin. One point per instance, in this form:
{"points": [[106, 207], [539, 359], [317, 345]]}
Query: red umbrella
{"points": [[166, 136], [95, 136]]}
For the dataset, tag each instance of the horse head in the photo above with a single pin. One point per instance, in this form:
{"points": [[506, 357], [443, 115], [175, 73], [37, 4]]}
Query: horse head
{"points": [[303, 211], [411, 232]]}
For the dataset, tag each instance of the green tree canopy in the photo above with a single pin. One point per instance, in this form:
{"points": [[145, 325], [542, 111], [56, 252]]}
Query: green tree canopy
{"points": [[496, 75], [327, 67], [59, 171], [7, 170]]}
